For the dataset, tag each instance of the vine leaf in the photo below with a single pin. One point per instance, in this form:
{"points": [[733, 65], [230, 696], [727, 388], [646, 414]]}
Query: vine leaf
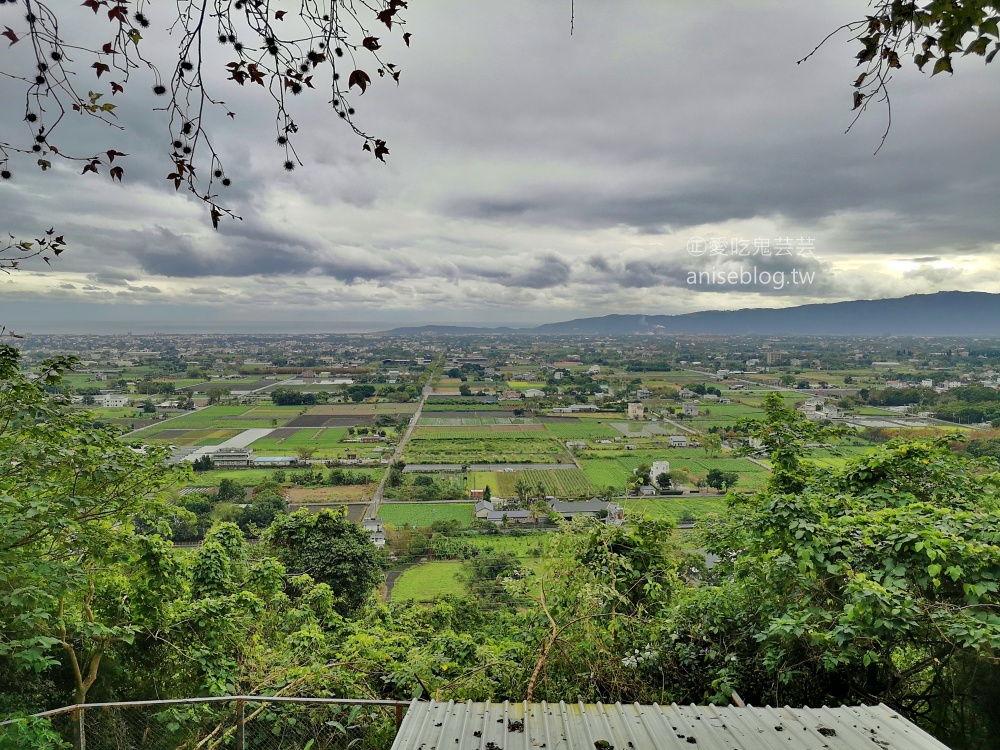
{"points": [[9, 33]]}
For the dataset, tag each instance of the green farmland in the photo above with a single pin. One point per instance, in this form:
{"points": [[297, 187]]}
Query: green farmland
{"points": [[558, 483], [428, 581], [326, 442], [424, 514], [500, 447]]}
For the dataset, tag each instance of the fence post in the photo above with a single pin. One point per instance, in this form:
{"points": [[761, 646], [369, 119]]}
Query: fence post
{"points": [[241, 739], [79, 733], [399, 715]]}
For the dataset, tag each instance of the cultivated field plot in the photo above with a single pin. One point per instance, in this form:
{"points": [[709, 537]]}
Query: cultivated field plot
{"points": [[756, 398], [220, 417], [324, 441], [199, 438], [579, 430], [346, 494], [615, 472], [562, 483], [482, 415], [874, 411], [676, 509], [246, 477], [475, 421], [492, 447], [643, 429], [420, 514], [513, 431], [451, 405], [349, 410], [427, 581], [355, 511], [673, 377], [835, 459], [730, 412]]}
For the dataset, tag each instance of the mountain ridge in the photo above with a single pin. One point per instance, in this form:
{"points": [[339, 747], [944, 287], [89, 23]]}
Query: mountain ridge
{"points": [[949, 313]]}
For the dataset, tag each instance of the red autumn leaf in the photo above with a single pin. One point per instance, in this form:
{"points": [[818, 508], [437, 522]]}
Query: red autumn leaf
{"points": [[93, 5], [255, 73], [101, 68], [386, 16], [116, 87], [9, 33], [91, 167], [231, 114], [371, 42], [216, 215], [107, 49], [117, 173], [112, 154], [380, 150], [360, 79], [120, 12], [279, 15], [366, 147], [406, 38]]}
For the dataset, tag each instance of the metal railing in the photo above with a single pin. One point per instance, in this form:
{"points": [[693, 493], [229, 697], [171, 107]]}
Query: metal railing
{"points": [[240, 722]]}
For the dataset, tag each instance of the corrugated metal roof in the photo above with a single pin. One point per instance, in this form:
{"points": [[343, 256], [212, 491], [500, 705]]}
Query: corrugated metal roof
{"points": [[578, 726]]}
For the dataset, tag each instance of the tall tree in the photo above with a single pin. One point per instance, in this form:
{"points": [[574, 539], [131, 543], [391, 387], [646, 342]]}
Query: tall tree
{"points": [[330, 549], [81, 568]]}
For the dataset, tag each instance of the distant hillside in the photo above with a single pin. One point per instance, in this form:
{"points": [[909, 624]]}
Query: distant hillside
{"points": [[939, 314]]}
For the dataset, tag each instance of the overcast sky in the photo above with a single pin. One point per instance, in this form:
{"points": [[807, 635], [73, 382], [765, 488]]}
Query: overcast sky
{"points": [[535, 176]]}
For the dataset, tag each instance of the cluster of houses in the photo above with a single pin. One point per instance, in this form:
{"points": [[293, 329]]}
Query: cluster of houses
{"points": [[817, 409], [493, 511]]}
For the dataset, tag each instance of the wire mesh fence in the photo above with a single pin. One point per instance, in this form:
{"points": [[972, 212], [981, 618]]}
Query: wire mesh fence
{"points": [[244, 723]]}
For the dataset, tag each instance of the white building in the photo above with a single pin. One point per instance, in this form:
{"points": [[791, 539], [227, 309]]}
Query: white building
{"points": [[636, 411], [112, 400], [233, 458], [678, 441], [657, 468], [689, 408], [376, 531]]}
